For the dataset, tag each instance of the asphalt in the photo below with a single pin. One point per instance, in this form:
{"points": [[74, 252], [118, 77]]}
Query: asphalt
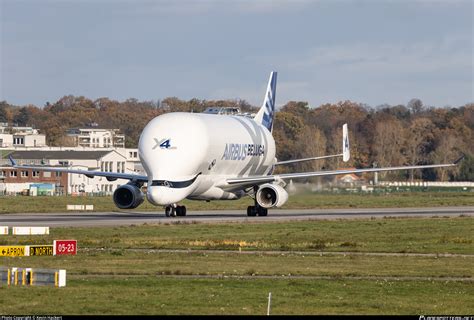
{"points": [[90, 219]]}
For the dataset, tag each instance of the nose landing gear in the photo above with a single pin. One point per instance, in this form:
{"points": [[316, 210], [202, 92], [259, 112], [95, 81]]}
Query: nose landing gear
{"points": [[175, 210]]}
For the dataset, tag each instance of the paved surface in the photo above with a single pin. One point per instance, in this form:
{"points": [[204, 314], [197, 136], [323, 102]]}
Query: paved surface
{"points": [[128, 218]]}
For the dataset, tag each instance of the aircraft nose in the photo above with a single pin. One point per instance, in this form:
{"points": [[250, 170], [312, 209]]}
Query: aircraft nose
{"points": [[163, 196]]}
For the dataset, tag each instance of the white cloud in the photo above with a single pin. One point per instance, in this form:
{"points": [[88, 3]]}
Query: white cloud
{"points": [[187, 7], [437, 72], [381, 58]]}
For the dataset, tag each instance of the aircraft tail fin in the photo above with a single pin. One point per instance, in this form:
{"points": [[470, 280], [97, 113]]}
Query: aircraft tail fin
{"points": [[267, 112]]}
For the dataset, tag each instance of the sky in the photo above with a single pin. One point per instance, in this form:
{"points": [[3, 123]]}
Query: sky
{"points": [[371, 52]]}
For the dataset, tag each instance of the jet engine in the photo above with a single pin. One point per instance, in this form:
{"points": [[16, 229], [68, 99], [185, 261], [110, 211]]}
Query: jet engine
{"points": [[271, 195], [128, 196]]}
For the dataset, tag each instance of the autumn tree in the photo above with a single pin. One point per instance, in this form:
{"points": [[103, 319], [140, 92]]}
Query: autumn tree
{"points": [[415, 106], [466, 170], [287, 127], [387, 135], [446, 152], [3, 112], [22, 117], [311, 142], [388, 143], [418, 142], [54, 132]]}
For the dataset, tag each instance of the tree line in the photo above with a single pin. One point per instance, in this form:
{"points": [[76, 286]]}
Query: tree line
{"points": [[382, 136]]}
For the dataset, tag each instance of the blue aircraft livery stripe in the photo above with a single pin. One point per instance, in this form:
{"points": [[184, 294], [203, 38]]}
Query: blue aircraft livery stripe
{"points": [[269, 111]]}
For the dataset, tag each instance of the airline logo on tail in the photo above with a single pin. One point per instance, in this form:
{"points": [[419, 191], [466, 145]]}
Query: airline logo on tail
{"points": [[266, 113]]}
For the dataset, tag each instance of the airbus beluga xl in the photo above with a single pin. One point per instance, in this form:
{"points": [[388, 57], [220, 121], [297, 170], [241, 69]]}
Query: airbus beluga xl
{"points": [[203, 156]]}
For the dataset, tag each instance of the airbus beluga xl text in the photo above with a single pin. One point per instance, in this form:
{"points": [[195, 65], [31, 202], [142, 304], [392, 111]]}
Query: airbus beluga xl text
{"points": [[203, 156]]}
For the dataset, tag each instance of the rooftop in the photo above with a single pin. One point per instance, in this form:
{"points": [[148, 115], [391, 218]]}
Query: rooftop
{"points": [[62, 155]]}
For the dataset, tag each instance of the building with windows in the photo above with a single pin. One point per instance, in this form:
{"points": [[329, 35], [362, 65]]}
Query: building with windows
{"points": [[13, 181], [18, 180], [133, 160], [12, 137], [96, 137]]}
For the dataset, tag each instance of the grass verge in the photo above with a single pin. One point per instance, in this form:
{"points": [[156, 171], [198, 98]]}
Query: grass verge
{"points": [[24, 204], [418, 235], [149, 295], [111, 276]]}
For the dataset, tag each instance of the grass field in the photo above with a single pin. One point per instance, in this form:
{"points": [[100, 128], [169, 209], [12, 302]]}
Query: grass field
{"points": [[151, 295], [20, 204], [376, 266]]}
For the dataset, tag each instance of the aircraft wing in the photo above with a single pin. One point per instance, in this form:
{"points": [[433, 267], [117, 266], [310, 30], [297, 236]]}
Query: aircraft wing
{"points": [[111, 176], [258, 180]]}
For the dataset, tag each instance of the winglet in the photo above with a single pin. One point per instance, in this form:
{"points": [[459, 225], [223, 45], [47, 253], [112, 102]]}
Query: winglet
{"points": [[346, 155], [459, 159], [13, 162]]}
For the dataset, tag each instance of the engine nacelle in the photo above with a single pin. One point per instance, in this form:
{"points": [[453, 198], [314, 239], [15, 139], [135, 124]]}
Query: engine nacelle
{"points": [[271, 195], [128, 196]]}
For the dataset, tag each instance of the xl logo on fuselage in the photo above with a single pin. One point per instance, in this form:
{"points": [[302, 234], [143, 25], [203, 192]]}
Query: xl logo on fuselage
{"points": [[240, 151], [163, 144]]}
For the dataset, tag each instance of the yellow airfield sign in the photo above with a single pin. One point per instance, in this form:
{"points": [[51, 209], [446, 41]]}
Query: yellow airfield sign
{"points": [[12, 251], [41, 250]]}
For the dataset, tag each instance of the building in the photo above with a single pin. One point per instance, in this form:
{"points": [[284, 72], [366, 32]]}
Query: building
{"points": [[133, 161], [18, 180], [12, 137], [349, 180], [13, 181], [96, 149], [96, 137]]}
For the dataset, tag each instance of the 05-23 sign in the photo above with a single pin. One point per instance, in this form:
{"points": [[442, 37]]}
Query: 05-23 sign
{"points": [[65, 247]]}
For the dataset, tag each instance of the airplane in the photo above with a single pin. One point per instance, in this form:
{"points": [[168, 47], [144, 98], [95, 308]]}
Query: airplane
{"points": [[201, 156]]}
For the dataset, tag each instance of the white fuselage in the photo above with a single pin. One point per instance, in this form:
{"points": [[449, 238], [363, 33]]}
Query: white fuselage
{"points": [[189, 155]]}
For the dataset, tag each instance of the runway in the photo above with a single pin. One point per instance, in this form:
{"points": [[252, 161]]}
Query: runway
{"points": [[122, 218]]}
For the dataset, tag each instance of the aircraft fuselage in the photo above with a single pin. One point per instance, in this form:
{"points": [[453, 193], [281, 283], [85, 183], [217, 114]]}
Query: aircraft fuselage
{"points": [[186, 155]]}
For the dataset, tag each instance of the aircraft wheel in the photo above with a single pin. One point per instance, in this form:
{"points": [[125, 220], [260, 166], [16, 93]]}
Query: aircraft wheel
{"points": [[262, 212], [181, 211], [170, 211], [251, 211]]}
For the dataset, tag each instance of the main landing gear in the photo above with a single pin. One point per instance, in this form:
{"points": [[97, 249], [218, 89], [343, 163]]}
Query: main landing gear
{"points": [[175, 211], [256, 210]]}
